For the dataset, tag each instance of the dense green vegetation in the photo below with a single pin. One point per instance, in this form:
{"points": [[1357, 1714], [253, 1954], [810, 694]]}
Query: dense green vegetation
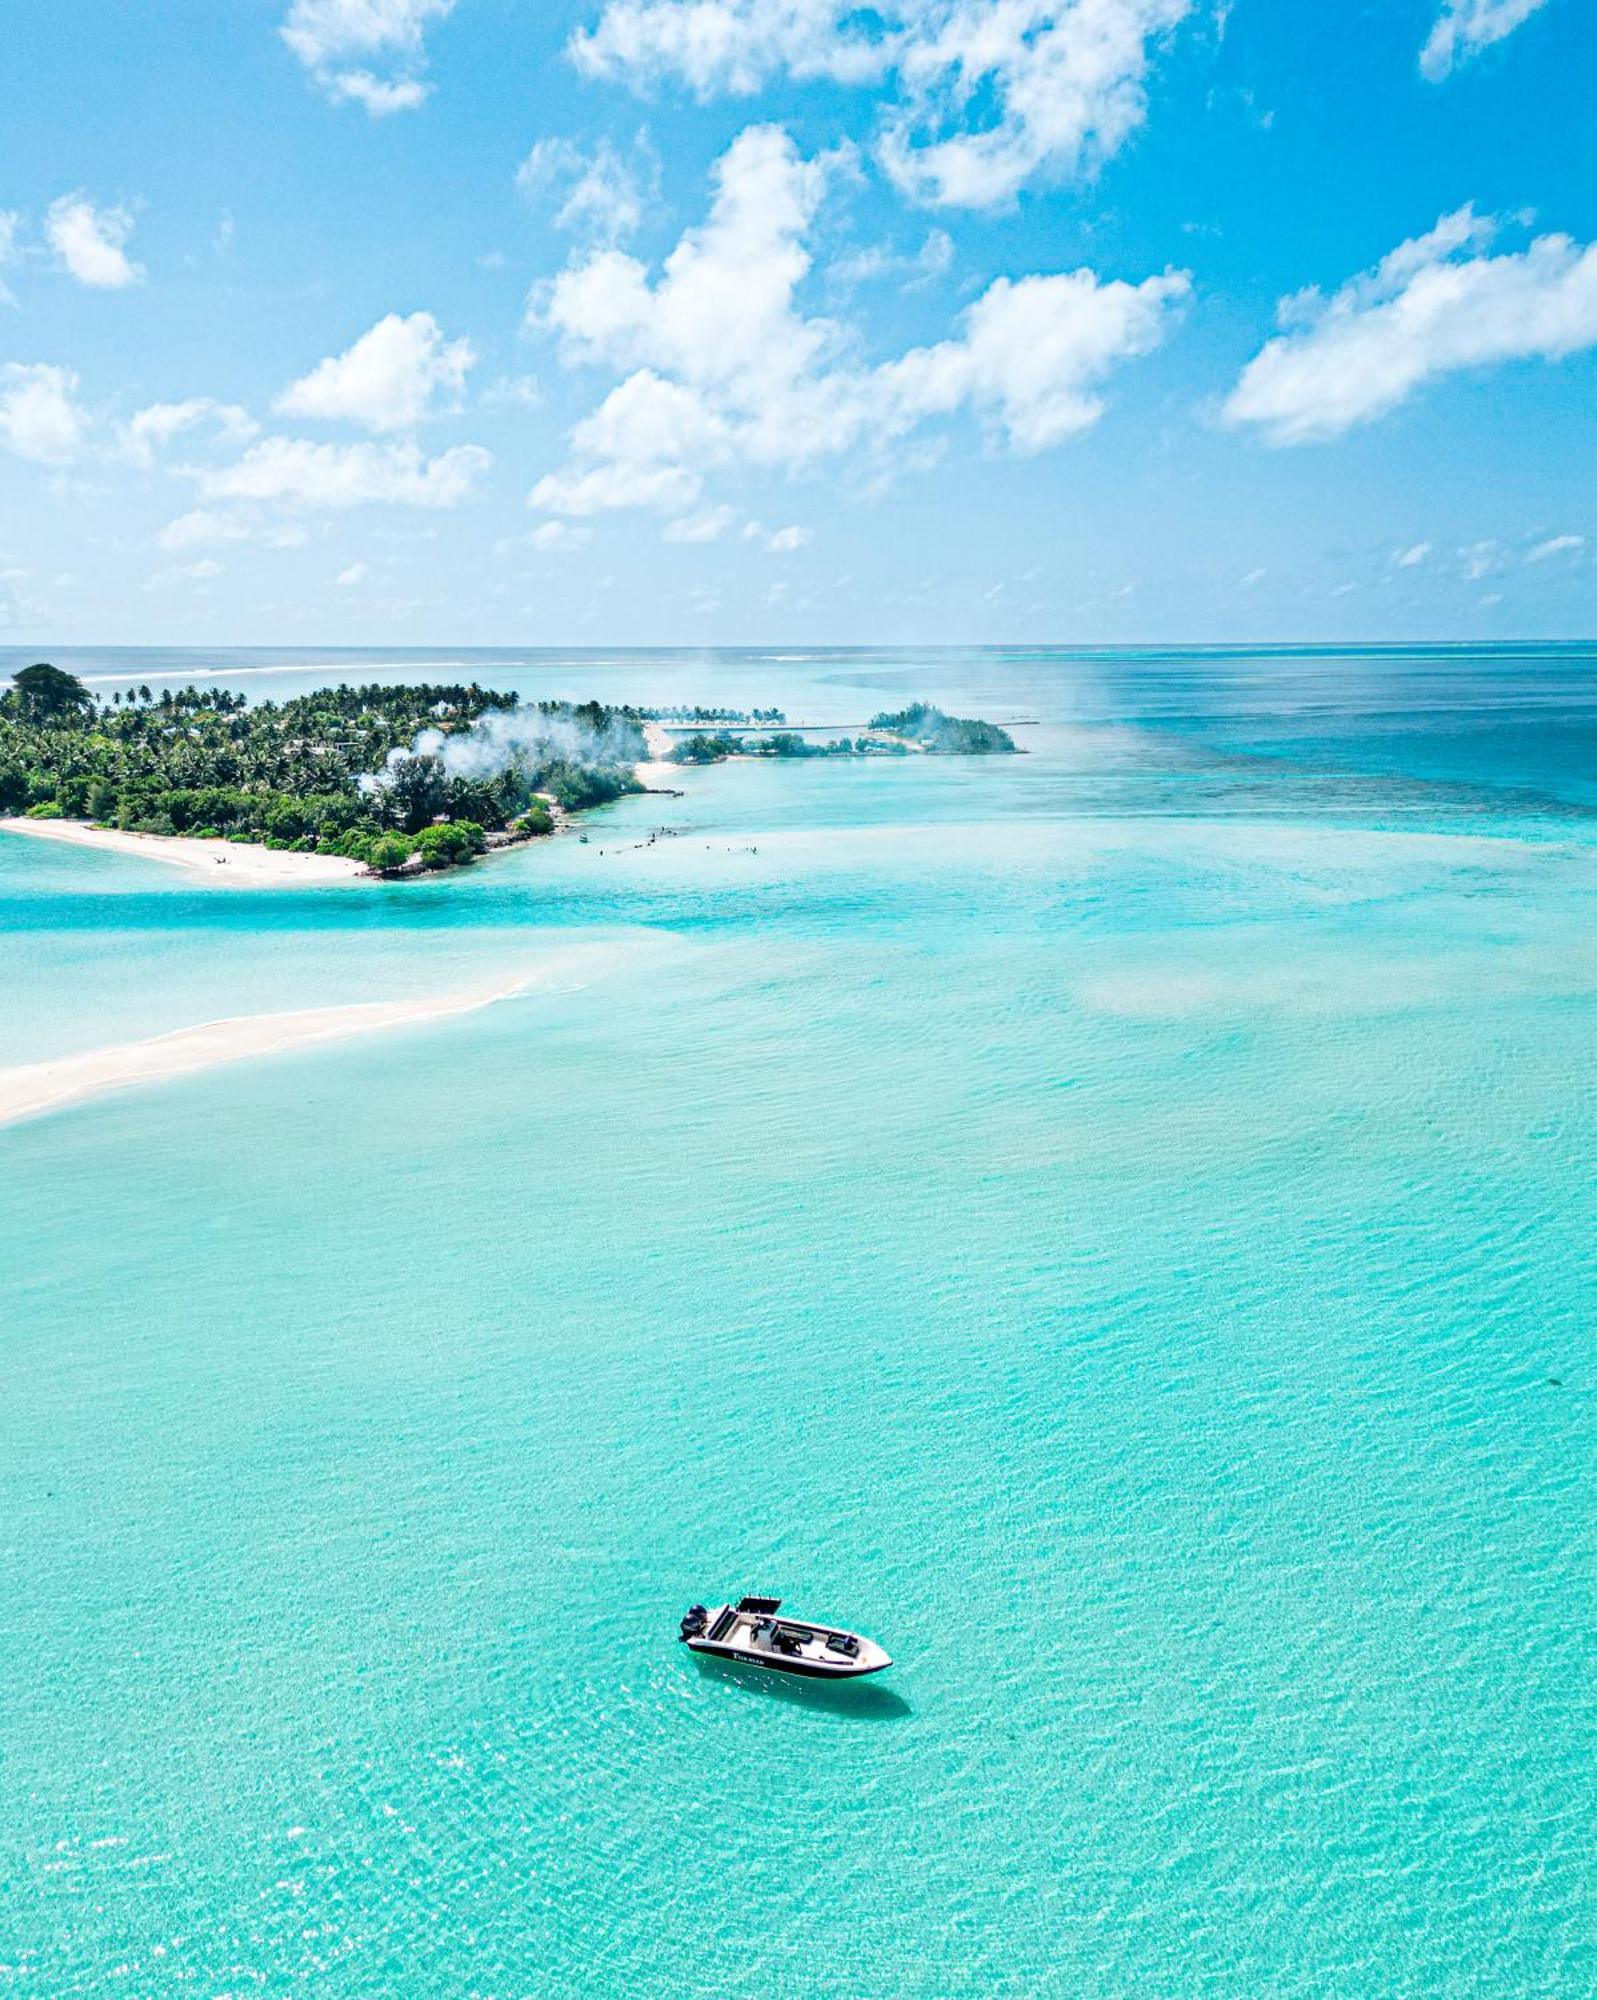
{"points": [[382, 774], [715, 747], [397, 777], [917, 728], [945, 735], [697, 714]]}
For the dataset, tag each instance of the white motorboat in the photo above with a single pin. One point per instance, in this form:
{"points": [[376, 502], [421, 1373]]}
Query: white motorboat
{"points": [[752, 1633]]}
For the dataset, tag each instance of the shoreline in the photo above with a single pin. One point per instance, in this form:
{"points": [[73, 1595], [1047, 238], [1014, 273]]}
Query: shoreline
{"points": [[220, 864], [33, 1090]]}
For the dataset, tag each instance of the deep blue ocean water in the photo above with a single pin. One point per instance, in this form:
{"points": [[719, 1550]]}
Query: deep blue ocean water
{"points": [[1117, 1224]]}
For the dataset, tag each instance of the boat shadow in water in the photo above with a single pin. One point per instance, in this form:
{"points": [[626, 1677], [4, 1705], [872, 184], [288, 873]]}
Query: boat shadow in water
{"points": [[845, 1701]]}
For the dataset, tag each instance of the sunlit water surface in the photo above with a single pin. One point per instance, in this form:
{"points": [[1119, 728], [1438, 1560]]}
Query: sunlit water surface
{"points": [[1117, 1224]]}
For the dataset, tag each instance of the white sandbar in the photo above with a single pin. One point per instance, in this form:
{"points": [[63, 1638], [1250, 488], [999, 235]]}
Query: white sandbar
{"points": [[32, 1088]]}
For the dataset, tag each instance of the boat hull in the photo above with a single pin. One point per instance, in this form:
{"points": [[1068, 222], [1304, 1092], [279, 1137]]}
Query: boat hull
{"points": [[776, 1663]]}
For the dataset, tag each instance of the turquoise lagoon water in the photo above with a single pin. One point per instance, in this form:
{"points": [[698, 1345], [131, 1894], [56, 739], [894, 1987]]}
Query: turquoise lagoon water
{"points": [[1118, 1224]]}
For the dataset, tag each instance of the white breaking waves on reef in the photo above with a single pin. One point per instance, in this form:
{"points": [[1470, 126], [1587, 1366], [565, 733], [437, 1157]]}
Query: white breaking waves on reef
{"points": [[510, 739]]}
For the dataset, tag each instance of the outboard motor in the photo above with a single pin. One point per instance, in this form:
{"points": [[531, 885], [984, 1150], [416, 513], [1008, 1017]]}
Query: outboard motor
{"points": [[695, 1621]]}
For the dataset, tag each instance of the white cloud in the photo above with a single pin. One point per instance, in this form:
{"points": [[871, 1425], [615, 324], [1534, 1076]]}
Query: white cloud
{"points": [[723, 307], [1428, 309], [1556, 545], [1411, 558], [597, 194], [91, 242], [39, 416], [985, 94], [336, 40], [513, 392], [1480, 559], [357, 572], [786, 540], [722, 369], [602, 487], [708, 526], [202, 528], [387, 380], [733, 47], [1067, 78], [145, 435], [1465, 27], [292, 472], [934, 259], [1036, 348], [380, 96], [558, 538]]}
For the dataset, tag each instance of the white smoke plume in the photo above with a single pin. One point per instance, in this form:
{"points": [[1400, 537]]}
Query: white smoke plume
{"points": [[515, 739]]}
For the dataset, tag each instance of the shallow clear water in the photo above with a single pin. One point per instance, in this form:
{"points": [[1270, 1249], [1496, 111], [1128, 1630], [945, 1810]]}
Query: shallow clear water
{"points": [[1107, 1222]]}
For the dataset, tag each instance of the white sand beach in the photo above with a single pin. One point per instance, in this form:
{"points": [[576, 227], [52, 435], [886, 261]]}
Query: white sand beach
{"points": [[216, 864], [30, 1089]]}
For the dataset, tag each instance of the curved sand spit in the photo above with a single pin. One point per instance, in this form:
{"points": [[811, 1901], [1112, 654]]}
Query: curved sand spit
{"points": [[30, 1089], [217, 864]]}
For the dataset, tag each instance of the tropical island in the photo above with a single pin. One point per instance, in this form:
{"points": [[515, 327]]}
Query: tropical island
{"points": [[918, 729], [391, 780]]}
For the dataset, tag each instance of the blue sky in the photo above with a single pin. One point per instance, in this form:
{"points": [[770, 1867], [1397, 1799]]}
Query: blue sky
{"points": [[756, 321]]}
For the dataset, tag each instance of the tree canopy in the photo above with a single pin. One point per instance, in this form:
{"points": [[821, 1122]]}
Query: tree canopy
{"points": [[42, 693], [334, 771]]}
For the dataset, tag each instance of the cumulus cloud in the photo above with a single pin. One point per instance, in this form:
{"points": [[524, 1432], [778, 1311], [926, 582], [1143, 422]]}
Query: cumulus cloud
{"points": [[91, 242], [734, 47], [721, 368], [40, 417], [387, 380], [983, 97], [1465, 27], [146, 434], [1411, 557], [1035, 349], [1556, 545], [709, 525], [1435, 305], [347, 579], [1067, 80], [596, 194], [552, 538], [338, 41], [294, 473]]}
